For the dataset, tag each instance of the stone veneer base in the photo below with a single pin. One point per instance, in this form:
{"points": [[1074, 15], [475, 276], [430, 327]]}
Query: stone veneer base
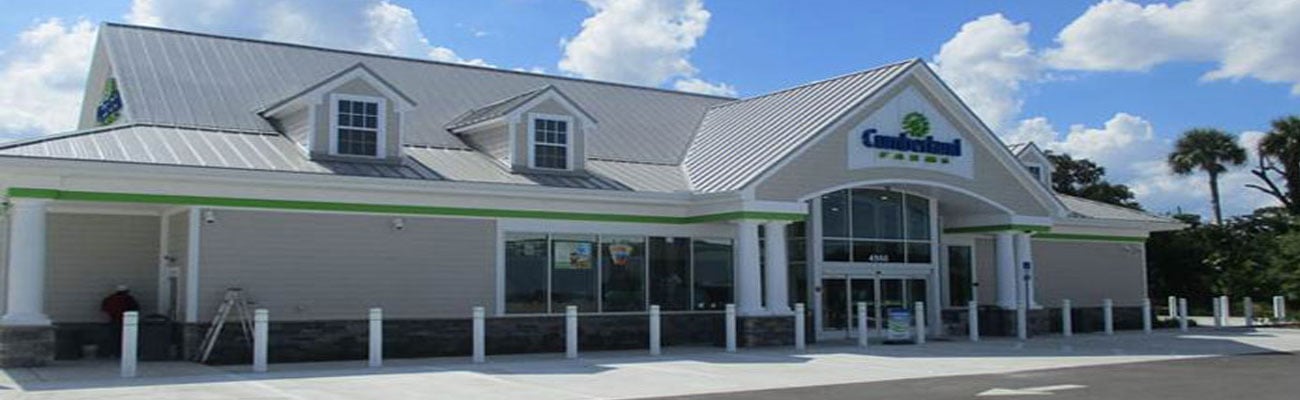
{"points": [[26, 346], [298, 341]]}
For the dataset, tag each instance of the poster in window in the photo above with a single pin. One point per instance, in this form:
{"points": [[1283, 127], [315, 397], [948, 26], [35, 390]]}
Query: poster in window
{"points": [[620, 253], [572, 255]]}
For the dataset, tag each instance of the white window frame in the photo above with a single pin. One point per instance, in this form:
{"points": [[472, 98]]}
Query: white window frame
{"points": [[568, 147], [381, 127]]}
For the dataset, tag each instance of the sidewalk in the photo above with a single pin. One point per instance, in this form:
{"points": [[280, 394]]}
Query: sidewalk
{"points": [[631, 374]]}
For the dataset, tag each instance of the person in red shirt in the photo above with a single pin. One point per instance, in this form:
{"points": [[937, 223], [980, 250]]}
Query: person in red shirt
{"points": [[115, 305]]}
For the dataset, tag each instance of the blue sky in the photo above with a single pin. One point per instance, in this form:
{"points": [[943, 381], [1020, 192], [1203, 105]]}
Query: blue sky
{"points": [[1114, 81]]}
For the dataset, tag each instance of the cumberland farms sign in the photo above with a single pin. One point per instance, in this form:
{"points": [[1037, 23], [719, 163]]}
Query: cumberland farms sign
{"points": [[908, 132]]}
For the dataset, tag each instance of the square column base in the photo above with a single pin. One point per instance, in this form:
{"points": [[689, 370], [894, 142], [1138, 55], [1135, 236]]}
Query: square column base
{"points": [[756, 331], [26, 346]]}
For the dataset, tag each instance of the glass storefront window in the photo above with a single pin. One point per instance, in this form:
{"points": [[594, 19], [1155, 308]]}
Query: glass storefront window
{"points": [[622, 273], [882, 227], [526, 281], [877, 214], [713, 273], [670, 273], [835, 214], [573, 272], [918, 218]]}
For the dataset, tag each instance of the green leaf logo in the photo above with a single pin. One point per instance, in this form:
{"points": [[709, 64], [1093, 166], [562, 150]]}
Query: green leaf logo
{"points": [[916, 125]]}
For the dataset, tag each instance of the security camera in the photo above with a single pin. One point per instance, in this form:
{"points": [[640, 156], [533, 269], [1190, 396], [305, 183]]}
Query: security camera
{"points": [[209, 217]]}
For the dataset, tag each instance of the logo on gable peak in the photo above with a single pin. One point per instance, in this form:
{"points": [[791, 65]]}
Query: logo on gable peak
{"points": [[916, 125]]}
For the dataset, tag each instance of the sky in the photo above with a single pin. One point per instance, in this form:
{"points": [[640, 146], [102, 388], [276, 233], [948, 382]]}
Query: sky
{"points": [[1113, 81]]}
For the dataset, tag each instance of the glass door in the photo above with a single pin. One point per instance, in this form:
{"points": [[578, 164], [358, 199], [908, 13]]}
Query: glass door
{"points": [[835, 295]]}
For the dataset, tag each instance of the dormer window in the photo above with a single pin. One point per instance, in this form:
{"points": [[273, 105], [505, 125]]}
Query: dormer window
{"points": [[549, 141], [357, 126], [1036, 171]]}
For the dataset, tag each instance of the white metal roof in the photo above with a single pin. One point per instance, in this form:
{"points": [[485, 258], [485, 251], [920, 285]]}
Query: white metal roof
{"points": [[188, 79], [737, 141]]}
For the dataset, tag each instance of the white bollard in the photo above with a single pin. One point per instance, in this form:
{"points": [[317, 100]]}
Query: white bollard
{"points": [[376, 338], [1279, 307], [1067, 318], [130, 343], [479, 332], [973, 320], [571, 332], [1218, 313], [260, 320], [1173, 307], [1108, 315], [1146, 316], [1248, 311], [1225, 310], [1182, 315], [654, 331], [920, 322], [863, 329], [800, 342], [731, 328], [1022, 321]]}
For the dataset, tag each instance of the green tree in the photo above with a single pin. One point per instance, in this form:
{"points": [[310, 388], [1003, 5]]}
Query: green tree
{"points": [[1084, 178], [1279, 154], [1209, 150]]}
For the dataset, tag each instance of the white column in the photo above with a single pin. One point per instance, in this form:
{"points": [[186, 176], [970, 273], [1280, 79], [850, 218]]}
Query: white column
{"points": [[571, 332], [731, 328], [778, 268], [973, 320], [1025, 254], [655, 344], [260, 321], [800, 343], [1146, 316], [749, 281], [376, 338], [26, 277], [479, 331], [1067, 318], [1108, 315], [130, 343], [1006, 260]]}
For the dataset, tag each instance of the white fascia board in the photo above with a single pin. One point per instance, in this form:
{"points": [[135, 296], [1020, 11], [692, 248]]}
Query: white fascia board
{"points": [[1144, 226], [63, 174], [973, 220], [733, 205], [1100, 230], [551, 94], [713, 230]]}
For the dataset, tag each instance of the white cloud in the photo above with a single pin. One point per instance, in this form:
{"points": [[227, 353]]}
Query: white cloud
{"points": [[987, 63], [641, 42], [1245, 38], [1127, 146], [376, 26], [42, 78], [696, 85]]}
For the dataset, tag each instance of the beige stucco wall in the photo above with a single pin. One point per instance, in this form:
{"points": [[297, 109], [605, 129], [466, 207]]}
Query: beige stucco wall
{"points": [[577, 135], [392, 127], [825, 165], [88, 255], [1087, 272], [309, 266]]}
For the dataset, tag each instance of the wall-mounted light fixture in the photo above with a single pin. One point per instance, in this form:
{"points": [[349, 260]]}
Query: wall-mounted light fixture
{"points": [[399, 224], [209, 217]]}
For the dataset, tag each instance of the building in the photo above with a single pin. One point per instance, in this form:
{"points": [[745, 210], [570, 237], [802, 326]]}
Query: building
{"points": [[325, 182]]}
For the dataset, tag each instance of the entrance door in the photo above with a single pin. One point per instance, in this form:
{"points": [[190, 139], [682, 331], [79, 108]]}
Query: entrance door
{"points": [[841, 294], [901, 293]]}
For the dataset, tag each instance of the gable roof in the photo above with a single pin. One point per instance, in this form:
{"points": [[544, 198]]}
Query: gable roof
{"points": [[1092, 209], [356, 71], [179, 78], [737, 141], [508, 105]]}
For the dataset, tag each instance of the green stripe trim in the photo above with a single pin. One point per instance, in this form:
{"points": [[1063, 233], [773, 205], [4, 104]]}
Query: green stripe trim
{"points": [[386, 208], [1093, 238], [998, 228]]}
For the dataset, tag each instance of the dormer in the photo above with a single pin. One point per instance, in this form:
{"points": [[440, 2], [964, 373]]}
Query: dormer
{"points": [[541, 130], [354, 115], [1035, 161]]}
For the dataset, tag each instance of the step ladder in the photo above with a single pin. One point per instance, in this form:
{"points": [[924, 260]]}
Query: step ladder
{"points": [[234, 300]]}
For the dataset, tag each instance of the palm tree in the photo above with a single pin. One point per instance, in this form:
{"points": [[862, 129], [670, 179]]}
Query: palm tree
{"points": [[1208, 150], [1283, 144]]}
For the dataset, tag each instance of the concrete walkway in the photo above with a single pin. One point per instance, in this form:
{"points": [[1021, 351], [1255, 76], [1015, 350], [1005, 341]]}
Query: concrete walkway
{"points": [[627, 374]]}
